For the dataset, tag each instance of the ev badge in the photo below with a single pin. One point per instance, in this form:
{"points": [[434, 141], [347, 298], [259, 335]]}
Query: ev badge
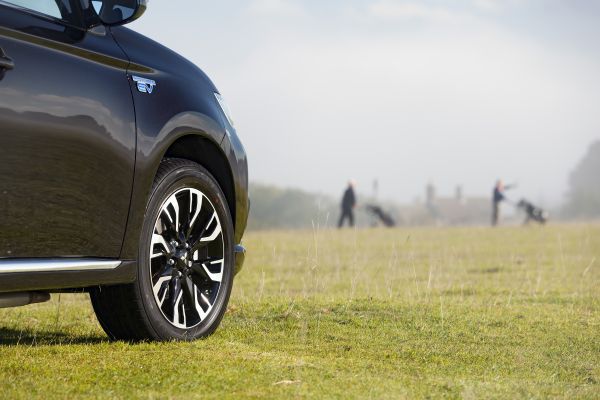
{"points": [[144, 85]]}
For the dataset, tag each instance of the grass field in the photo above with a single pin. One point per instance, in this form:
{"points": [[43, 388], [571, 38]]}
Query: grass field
{"points": [[413, 313]]}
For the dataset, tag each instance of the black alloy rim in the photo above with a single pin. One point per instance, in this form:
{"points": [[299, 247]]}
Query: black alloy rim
{"points": [[187, 258]]}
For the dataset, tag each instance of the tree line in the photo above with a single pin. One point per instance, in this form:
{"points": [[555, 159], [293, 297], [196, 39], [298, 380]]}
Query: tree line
{"points": [[283, 208]]}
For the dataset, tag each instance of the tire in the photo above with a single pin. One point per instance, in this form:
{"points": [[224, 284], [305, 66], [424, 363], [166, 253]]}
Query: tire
{"points": [[185, 262]]}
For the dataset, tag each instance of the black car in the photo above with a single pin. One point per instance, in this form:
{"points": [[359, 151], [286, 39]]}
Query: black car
{"points": [[121, 173]]}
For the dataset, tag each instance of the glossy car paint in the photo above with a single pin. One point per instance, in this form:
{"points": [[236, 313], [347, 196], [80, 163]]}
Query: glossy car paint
{"points": [[182, 107], [67, 140], [83, 144]]}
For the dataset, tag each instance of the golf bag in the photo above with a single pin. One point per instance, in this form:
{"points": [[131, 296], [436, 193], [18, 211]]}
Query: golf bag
{"points": [[532, 212], [384, 217]]}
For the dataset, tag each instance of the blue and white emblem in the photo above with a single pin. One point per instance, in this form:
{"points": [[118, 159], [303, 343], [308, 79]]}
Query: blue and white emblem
{"points": [[144, 85]]}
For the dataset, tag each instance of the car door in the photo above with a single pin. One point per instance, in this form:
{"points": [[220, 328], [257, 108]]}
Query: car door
{"points": [[67, 134]]}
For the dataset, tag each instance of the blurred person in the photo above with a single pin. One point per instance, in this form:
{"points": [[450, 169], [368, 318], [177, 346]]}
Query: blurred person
{"points": [[497, 198], [348, 204]]}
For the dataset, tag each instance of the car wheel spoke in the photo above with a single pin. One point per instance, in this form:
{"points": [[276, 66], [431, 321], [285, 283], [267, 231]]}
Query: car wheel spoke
{"points": [[171, 211], [188, 290], [216, 230], [163, 247], [160, 289], [184, 199], [200, 298], [187, 258], [195, 206], [209, 233], [176, 295], [203, 270]]}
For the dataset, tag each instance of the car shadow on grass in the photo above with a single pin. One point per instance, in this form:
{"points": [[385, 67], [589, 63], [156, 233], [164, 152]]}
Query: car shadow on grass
{"points": [[14, 337]]}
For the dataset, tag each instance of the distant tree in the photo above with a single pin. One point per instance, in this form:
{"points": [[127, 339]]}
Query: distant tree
{"points": [[282, 208], [584, 182]]}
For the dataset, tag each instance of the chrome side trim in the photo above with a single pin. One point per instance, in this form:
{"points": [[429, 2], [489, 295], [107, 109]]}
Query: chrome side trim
{"points": [[56, 265]]}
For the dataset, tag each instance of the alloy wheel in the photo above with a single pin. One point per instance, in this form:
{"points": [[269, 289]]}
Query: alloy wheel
{"points": [[187, 258]]}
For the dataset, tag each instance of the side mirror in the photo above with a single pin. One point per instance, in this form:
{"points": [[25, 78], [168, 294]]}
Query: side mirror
{"points": [[118, 12]]}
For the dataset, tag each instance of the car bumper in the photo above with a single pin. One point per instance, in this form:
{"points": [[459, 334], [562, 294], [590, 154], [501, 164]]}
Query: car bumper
{"points": [[240, 256]]}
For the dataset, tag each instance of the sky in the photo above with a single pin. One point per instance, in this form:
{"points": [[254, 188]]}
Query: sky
{"points": [[408, 92]]}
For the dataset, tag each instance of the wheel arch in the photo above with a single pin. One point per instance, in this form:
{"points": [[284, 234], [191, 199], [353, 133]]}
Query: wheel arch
{"points": [[208, 154], [191, 136]]}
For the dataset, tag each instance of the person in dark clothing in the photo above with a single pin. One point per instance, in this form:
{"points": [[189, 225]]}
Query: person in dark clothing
{"points": [[348, 204], [497, 198]]}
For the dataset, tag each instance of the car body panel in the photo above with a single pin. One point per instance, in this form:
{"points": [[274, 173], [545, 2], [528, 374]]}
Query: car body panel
{"points": [[181, 104], [81, 146], [236, 155], [67, 140]]}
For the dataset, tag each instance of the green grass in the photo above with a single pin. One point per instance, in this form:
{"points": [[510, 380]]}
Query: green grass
{"points": [[412, 313]]}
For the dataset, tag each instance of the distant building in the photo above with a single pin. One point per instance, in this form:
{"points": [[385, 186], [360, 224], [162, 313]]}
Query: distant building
{"points": [[456, 210]]}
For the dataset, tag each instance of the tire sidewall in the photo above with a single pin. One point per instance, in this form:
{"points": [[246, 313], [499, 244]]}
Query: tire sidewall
{"points": [[188, 175]]}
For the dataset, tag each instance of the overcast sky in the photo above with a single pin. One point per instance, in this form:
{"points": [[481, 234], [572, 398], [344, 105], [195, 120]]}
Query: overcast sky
{"points": [[453, 92]]}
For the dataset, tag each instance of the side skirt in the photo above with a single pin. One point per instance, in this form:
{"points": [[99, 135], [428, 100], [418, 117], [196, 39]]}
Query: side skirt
{"points": [[17, 275]]}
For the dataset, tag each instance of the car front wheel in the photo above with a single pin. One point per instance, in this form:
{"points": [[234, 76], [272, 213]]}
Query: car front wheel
{"points": [[185, 262]]}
